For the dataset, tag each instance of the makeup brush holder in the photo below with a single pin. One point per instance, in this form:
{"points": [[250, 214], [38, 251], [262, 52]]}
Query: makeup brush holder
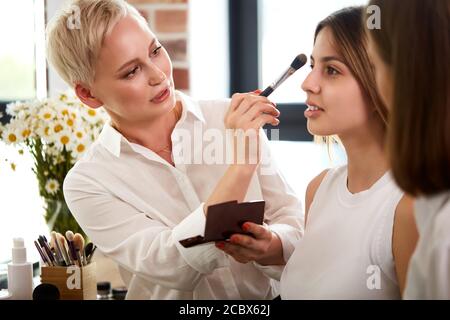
{"points": [[73, 282]]}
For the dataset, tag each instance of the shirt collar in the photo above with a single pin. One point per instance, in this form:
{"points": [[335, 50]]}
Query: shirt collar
{"points": [[189, 106], [112, 140]]}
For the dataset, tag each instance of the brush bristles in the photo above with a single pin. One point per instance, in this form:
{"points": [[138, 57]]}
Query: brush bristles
{"points": [[53, 239], [62, 241], [69, 235], [299, 61], [78, 241]]}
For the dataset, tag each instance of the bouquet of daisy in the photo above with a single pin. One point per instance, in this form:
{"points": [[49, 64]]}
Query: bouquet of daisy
{"points": [[56, 131]]}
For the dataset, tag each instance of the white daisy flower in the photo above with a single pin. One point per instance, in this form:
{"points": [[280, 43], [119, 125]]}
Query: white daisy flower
{"points": [[25, 133], [44, 131], [79, 148], [14, 108], [64, 111], [74, 114], [11, 135], [52, 186], [63, 97], [80, 134], [57, 127], [70, 122], [91, 115], [63, 139], [47, 114]]}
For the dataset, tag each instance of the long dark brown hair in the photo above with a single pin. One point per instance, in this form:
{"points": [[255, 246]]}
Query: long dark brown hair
{"points": [[414, 42]]}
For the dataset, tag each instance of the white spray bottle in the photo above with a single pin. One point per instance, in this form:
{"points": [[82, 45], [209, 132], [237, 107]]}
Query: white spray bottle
{"points": [[20, 273]]}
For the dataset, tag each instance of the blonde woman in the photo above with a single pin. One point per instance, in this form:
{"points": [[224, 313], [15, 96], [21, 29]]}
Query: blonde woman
{"points": [[131, 193], [360, 231]]}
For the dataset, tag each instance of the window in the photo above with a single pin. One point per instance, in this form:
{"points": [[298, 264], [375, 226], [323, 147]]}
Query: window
{"points": [[22, 77], [21, 52], [287, 29]]}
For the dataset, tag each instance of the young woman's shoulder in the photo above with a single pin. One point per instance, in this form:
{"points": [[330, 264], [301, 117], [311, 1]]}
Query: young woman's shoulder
{"points": [[404, 238], [312, 189], [314, 184]]}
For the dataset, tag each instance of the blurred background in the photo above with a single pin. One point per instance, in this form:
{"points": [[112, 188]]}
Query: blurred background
{"points": [[218, 47]]}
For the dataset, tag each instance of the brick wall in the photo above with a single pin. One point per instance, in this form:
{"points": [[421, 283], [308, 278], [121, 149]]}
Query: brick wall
{"points": [[168, 19]]}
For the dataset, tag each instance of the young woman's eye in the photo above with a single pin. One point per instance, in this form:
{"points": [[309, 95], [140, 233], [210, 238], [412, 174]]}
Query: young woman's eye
{"points": [[332, 71], [156, 51], [311, 66], [131, 74]]}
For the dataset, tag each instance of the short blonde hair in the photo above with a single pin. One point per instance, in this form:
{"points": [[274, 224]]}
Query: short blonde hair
{"points": [[75, 36]]}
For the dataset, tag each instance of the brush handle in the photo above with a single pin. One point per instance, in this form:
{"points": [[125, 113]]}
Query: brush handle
{"points": [[54, 243], [44, 259], [64, 249], [267, 92]]}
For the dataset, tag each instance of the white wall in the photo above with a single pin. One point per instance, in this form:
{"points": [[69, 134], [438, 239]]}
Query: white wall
{"points": [[209, 49], [55, 83]]}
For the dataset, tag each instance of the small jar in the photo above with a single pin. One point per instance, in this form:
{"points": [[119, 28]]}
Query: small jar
{"points": [[104, 290], [119, 293]]}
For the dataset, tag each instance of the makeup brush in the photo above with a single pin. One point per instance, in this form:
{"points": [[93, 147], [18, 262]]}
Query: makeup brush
{"points": [[55, 245], [88, 251], [78, 241], [45, 247], [298, 62], [41, 253], [71, 245], [64, 248]]}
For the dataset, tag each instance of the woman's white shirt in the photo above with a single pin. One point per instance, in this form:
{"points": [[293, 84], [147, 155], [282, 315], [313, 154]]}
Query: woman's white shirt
{"points": [[429, 269], [136, 207]]}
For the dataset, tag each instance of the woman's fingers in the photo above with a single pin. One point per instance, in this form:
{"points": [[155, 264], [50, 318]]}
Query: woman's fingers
{"points": [[250, 102], [249, 111], [258, 231], [244, 248], [236, 101], [264, 119], [261, 108]]}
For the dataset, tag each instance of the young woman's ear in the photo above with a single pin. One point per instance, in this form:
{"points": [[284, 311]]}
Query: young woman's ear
{"points": [[84, 94]]}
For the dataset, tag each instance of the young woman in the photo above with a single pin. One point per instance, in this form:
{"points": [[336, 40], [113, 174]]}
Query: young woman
{"points": [[133, 194], [413, 76], [359, 232]]}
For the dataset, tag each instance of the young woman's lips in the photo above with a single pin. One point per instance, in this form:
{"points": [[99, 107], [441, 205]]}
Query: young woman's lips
{"points": [[313, 112], [162, 96]]}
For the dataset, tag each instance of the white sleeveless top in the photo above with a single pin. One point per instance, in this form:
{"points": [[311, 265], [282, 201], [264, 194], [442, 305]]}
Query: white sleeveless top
{"points": [[346, 251]]}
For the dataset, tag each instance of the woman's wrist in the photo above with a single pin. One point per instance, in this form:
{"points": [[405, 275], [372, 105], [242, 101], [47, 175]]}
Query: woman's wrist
{"points": [[244, 170]]}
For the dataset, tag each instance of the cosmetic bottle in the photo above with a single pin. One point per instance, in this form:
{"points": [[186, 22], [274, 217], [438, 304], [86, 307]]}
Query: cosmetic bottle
{"points": [[20, 273]]}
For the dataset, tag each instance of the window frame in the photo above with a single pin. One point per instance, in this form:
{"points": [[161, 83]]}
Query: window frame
{"points": [[244, 39]]}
